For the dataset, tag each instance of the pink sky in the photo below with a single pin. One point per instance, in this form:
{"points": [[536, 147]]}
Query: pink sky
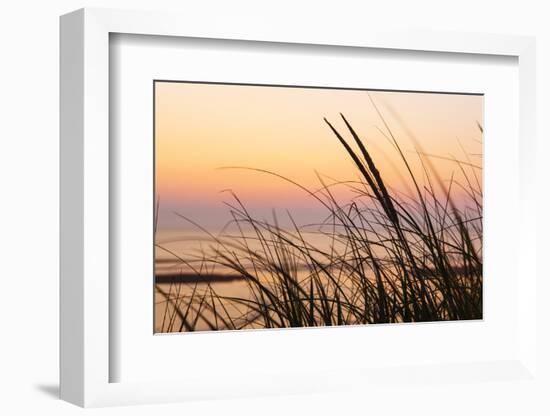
{"points": [[201, 128]]}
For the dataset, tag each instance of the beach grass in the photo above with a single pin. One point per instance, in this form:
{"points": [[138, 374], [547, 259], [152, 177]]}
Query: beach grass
{"points": [[389, 257]]}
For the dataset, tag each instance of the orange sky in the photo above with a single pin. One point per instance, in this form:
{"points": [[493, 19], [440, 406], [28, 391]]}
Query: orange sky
{"points": [[200, 128]]}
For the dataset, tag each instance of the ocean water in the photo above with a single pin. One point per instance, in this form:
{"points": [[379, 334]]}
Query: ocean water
{"points": [[181, 260], [187, 263]]}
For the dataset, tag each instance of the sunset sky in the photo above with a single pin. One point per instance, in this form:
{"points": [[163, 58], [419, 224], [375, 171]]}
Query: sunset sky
{"points": [[200, 128]]}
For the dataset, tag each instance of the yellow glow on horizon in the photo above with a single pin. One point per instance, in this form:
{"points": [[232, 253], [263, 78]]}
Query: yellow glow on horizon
{"points": [[201, 128]]}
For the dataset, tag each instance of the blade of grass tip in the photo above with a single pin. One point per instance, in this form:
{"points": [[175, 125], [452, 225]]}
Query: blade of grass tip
{"points": [[479, 126], [284, 178], [156, 214], [374, 171], [357, 161]]}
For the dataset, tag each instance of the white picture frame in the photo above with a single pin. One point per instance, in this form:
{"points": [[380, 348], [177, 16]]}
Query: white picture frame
{"points": [[85, 220]]}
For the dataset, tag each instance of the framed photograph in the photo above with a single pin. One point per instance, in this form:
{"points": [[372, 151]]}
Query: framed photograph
{"points": [[283, 221], [270, 211]]}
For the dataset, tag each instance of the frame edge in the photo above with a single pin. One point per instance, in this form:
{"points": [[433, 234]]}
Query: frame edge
{"points": [[71, 201]]}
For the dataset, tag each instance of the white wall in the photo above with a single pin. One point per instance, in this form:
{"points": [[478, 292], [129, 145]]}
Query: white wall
{"points": [[29, 184]]}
